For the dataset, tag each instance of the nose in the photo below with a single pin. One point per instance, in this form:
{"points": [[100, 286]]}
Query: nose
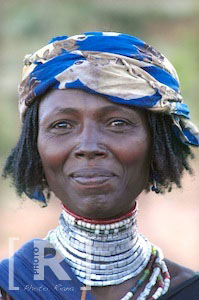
{"points": [[90, 146]]}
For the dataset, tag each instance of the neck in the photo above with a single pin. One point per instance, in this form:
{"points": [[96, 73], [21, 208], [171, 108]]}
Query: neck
{"points": [[133, 211], [101, 252]]}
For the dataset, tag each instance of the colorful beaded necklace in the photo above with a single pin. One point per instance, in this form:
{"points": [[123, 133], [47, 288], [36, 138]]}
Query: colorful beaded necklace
{"points": [[109, 252]]}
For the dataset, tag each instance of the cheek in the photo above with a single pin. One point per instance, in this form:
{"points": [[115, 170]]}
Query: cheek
{"points": [[136, 156], [134, 151], [51, 155]]}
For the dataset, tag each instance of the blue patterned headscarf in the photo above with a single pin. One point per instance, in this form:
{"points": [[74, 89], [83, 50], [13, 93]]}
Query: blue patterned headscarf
{"points": [[120, 67]]}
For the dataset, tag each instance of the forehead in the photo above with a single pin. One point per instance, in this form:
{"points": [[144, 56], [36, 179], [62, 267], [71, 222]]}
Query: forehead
{"points": [[73, 99]]}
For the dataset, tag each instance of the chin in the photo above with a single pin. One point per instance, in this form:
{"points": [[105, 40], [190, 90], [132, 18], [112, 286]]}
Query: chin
{"points": [[92, 206]]}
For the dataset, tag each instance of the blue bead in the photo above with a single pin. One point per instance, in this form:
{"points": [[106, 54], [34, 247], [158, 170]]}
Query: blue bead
{"points": [[139, 282], [133, 290]]}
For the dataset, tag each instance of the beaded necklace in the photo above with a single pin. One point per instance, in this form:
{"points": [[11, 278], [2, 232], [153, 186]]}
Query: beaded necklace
{"points": [[109, 252]]}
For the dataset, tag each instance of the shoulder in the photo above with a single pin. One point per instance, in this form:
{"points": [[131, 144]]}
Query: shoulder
{"points": [[184, 283], [29, 245], [179, 274], [29, 248], [24, 253], [20, 263], [47, 274]]}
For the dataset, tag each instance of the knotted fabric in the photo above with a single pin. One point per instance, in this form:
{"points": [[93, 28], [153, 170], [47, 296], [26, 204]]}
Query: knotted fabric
{"points": [[123, 68]]}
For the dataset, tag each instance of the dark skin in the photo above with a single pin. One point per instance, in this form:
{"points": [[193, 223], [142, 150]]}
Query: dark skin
{"points": [[95, 153], [96, 158]]}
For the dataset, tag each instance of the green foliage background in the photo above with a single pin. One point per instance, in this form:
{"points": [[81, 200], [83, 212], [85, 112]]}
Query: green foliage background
{"points": [[171, 26]]}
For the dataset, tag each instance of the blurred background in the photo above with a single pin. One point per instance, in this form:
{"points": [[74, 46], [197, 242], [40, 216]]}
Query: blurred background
{"points": [[170, 221]]}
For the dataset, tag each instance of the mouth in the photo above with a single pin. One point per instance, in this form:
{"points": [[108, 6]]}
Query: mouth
{"points": [[92, 177]]}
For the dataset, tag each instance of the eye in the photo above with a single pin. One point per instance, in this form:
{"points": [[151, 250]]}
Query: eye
{"points": [[62, 125], [119, 123]]}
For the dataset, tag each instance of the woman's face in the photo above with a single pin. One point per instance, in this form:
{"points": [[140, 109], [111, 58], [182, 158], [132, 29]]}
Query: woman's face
{"points": [[95, 153]]}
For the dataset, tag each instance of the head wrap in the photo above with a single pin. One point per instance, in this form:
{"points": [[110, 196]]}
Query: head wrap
{"points": [[120, 67]]}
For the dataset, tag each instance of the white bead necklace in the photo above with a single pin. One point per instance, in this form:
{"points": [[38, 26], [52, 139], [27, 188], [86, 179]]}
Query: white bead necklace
{"points": [[101, 254], [107, 254]]}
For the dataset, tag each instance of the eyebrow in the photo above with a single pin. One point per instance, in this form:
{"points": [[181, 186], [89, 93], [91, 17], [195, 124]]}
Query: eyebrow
{"points": [[101, 111], [114, 108], [66, 110], [111, 108], [70, 110]]}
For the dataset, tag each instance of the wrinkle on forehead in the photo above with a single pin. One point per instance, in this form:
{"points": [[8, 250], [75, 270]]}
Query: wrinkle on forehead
{"points": [[74, 101]]}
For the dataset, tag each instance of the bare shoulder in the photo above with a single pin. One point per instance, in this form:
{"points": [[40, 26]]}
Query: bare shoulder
{"points": [[178, 273]]}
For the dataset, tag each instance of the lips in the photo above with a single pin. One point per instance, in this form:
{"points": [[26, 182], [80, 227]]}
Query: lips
{"points": [[91, 177]]}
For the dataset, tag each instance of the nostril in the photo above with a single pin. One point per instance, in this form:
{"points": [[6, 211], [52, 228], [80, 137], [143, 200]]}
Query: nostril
{"points": [[80, 154], [99, 154], [90, 154]]}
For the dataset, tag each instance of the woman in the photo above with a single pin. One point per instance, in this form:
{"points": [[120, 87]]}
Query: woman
{"points": [[103, 120]]}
